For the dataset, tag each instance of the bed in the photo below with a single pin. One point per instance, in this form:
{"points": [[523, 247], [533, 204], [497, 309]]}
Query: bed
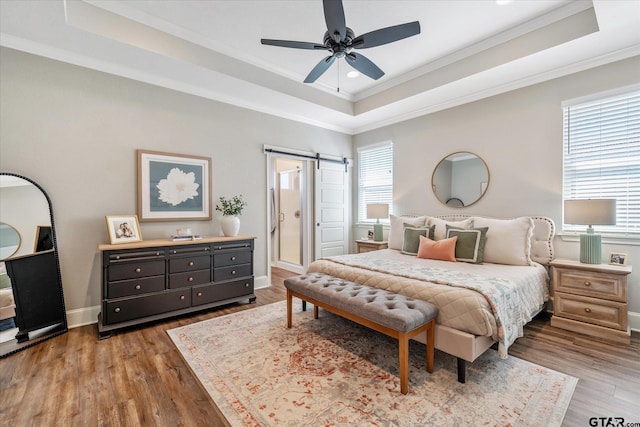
{"points": [[480, 303]]}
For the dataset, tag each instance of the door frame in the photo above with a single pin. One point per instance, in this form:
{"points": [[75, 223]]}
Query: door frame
{"points": [[307, 205]]}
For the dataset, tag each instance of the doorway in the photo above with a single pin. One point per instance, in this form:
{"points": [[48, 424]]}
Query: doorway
{"points": [[289, 214]]}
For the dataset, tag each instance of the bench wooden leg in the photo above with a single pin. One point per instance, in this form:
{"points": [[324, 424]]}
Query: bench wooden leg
{"points": [[315, 311], [289, 308], [431, 340], [403, 353]]}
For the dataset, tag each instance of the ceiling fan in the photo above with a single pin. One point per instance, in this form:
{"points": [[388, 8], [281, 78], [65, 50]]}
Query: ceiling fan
{"points": [[340, 40]]}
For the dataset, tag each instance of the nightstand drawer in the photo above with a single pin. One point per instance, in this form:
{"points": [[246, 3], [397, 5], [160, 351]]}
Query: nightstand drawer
{"points": [[587, 283], [605, 313]]}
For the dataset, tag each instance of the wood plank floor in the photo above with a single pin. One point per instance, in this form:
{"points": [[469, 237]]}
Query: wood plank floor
{"points": [[137, 377]]}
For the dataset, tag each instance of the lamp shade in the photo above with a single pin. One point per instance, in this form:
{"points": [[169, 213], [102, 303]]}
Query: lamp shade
{"points": [[377, 210], [590, 211]]}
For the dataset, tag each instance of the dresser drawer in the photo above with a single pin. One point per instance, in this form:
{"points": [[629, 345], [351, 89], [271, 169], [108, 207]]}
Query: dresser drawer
{"points": [[593, 284], [189, 278], [133, 270], [232, 258], [232, 272], [610, 314], [200, 262], [143, 285], [138, 307], [217, 292]]}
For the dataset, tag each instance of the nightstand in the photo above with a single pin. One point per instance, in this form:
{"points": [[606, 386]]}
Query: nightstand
{"points": [[591, 299], [370, 245]]}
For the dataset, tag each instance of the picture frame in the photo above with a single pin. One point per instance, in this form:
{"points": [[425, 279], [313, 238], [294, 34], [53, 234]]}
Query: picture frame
{"points": [[44, 238], [617, 258], [173, 187], [123, 229]]}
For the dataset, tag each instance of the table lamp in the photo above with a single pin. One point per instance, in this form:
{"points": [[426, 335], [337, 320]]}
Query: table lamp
{"points": [[377, 211], [590, 212]]}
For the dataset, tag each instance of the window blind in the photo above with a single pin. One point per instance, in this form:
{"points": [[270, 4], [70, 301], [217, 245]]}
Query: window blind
{"points": [[602, 158], [375, 177]]}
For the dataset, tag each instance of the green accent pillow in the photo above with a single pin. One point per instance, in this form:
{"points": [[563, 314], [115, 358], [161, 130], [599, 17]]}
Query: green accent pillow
{"points": [[470, 244], [411, 238]]}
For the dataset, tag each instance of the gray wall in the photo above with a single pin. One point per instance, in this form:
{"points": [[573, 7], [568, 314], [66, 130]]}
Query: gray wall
{"points": [[519, 135], [75, 131]]}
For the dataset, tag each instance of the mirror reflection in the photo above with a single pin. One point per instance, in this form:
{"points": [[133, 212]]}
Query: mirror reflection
{"points": [[9, 241], [31, 300], [460, 179]]}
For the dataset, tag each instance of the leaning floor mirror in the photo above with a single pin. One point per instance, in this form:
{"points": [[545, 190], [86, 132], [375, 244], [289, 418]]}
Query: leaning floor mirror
{"points": [[31, 300]]}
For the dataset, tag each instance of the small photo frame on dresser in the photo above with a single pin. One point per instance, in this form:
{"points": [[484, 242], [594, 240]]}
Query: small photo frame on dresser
{"points": [[123, 229], [617, 258]]}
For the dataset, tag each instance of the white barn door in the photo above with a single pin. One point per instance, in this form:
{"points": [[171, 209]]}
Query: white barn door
{"points": [[332, 209]]}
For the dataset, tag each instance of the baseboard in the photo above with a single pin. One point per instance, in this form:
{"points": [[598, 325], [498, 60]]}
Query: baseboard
{"points": [[83, 316], [634, 321], [261, 282], [89, 315]]}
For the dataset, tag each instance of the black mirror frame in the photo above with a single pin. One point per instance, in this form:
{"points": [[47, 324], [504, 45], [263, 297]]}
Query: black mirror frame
{"points": [[13, 346]]}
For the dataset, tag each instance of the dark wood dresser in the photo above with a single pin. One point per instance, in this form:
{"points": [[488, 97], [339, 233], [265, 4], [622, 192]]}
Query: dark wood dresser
{"points": [[155, 279]]}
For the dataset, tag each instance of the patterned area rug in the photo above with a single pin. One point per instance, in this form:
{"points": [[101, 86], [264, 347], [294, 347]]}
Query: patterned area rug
{"points": [[332, 371]]}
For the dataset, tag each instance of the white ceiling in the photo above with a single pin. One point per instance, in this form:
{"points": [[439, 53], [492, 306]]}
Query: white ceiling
{"points": [[467, 50]]}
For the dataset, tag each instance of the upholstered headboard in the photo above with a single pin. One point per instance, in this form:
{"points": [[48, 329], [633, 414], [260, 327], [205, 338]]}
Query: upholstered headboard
{"points": [[544, 230]]}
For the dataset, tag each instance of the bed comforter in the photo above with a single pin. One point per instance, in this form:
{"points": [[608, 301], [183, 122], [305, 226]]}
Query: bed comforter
{"points": [[487, 300]]}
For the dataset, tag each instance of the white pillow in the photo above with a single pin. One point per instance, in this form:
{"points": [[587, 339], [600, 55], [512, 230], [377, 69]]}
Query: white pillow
{"points": [[396, 231], [440, 231], [508, 240]]}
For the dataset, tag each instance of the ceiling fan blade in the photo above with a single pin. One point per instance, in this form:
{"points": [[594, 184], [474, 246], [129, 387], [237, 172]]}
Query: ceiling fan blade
{"points": [[319, 69], [386, 35], [293, 44], [334, 17], [364, 65]]}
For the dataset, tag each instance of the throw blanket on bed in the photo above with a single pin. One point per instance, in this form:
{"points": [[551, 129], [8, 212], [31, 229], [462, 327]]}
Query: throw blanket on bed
{"points": [[502, 295]]}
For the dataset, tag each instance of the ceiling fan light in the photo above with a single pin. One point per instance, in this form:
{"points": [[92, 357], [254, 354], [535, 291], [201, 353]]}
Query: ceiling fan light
{"points": [[353, 74]]}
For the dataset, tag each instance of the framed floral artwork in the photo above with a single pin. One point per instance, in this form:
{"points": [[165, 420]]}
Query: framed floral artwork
{"points": [[123, 229], [173, 187]]}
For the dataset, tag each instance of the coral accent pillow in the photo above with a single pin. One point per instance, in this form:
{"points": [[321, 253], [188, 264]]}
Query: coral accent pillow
{"points": [[444, 250]]}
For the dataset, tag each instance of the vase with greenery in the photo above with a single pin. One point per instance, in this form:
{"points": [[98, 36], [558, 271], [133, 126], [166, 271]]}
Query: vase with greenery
{"points": [[231, 209]]}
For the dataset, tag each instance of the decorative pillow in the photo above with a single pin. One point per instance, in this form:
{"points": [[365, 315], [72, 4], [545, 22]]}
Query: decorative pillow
{"points": [[470, 246], [396, 231], [411, 241], [444, 249], [441, 226], [508, 240]]}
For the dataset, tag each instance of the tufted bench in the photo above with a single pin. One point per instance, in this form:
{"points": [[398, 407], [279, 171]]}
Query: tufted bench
{"points": [[392, 314]]}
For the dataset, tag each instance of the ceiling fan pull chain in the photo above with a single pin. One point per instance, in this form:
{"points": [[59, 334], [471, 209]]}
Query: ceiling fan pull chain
{"points": [[338, 78]]}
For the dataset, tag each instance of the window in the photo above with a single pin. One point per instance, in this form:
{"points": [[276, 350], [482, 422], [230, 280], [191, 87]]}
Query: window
{"points": [[602, 157], [375, 177]]}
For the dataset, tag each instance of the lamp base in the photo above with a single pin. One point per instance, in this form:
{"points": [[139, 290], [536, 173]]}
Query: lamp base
{"points": [[590, 248], [377, 232]]}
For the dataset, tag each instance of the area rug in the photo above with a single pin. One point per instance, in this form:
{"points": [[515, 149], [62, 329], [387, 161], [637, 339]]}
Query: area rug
{"points": [[333, 372]]}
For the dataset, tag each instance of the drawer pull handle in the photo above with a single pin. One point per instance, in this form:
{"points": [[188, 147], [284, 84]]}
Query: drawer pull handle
{"points": [[587, 283], [117, 256], [117, 309], [190, 263], [587, 310], [199, 294], [138, 270], [246, 285], [190, 279], [138, 286], [233, 272], [181, 297], [233, 258]]}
